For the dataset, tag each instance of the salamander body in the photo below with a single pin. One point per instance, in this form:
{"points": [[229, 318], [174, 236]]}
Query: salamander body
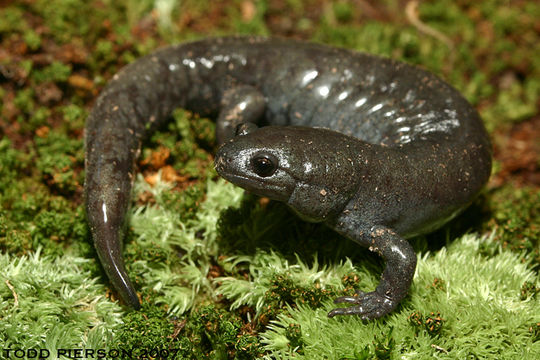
{"points": [[376, 149]]}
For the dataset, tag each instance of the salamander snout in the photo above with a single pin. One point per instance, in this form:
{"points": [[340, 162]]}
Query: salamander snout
{"points": [[220, 161]]}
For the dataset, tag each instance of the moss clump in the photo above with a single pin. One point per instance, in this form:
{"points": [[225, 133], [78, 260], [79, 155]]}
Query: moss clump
{"points": [[60, 161], [12, 20], [184, 203], [384, 345], [294, 335], [55, 72], [529, 290], [50, 223], [220, 334], [30, 216], [516, 216], [148, 328], [284, 291], [55, 297], [59, 225], [431, 323], [12, 163], [462, 304], [208, 333], [13, 239], [189, 140], [534, 329]]}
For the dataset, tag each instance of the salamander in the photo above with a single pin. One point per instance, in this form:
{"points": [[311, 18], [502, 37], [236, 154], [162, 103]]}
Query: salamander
{"points": [[376, 149]]}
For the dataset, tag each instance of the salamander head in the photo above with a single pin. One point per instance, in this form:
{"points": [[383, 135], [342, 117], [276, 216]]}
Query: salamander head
{"points": [[260, 164], [309, 169]]}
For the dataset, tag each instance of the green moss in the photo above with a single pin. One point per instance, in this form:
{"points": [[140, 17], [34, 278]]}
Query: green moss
{"points": [[55, 72], [514, 104], [24, 208], [13, 239], [66, 18], [59, 225], [516, 216], [31, 216], [186, 202], [534, 329], [284, 291], [208, 333], [269, 277], [38, 219], [24, 100], [173, 256], [343, 11], [255, 25], [294, 335], [103, 54], [74, 117], [184, 137], [55, 298], [221, 335], [39, 117], [12, 20], [11, 162], [60, 158], [384, 345], [437, 317], [529, 290], [431, 324], [32, 39], [148, 328]]}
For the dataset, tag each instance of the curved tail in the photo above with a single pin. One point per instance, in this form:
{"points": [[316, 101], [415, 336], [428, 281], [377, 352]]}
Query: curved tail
{"points": [[139, 97]]}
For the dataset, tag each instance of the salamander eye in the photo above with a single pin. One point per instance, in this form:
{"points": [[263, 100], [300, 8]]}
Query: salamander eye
{"points": [[264, 165]]}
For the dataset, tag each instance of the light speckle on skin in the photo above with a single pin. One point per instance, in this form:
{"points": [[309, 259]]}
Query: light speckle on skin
{"points": [[324, 91], [375, 108], [207, 63], [309, 76], [360, 102], [190, 63], [104, 209]]}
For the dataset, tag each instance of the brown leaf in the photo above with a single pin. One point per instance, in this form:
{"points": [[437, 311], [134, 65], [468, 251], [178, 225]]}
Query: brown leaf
{"points": [[157, 158], [81, 82]]}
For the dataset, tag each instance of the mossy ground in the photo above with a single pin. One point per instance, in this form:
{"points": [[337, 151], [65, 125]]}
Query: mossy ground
{"points": [[222, 276]]}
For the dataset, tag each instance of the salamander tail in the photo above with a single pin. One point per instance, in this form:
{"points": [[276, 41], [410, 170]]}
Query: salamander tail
{"points": [[110, 254]]}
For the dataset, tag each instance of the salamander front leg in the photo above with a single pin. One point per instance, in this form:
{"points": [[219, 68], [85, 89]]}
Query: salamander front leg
{"points": [[241, 104], [395, 281]]}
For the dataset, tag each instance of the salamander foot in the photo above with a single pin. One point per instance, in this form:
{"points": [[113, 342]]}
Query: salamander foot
{"points": [[369, 306]]}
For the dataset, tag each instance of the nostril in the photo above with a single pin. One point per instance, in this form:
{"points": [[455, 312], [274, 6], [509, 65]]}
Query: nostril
{"points": [[221, 161]]}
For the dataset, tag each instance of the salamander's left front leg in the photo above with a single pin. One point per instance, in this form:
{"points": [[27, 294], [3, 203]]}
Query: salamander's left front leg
{"points": [[395, 281], [239, 105]]}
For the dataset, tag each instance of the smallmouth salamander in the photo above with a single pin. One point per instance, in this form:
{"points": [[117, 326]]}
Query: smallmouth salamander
{"points": [[376, 149]]}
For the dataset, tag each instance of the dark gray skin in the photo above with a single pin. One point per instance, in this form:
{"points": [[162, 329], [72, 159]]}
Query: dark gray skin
{"points": [[401, 152]]}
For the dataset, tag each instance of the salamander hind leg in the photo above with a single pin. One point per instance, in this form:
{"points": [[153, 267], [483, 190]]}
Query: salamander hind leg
{"points": [[240, 104], [395, 281]]}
